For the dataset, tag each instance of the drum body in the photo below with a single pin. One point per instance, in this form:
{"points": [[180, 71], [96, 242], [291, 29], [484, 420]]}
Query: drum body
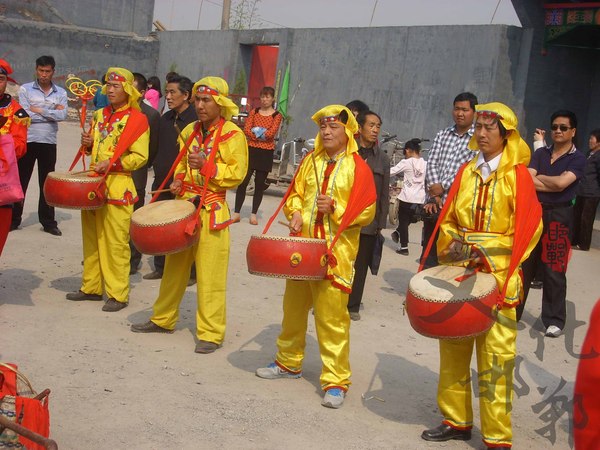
{"points": [[74, 191], [164, 227], [440, 307], [295, 258]]}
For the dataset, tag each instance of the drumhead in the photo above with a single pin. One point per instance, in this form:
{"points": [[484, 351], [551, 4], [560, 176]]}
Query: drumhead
{"points": [[77, 177], [163, 212], [298, 239], [438, 284]]}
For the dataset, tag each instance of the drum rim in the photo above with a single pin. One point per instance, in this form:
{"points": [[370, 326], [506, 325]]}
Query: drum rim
{"points": [[289, 277], [457, 300], [299, 239], [454, 338], [75, 178]]}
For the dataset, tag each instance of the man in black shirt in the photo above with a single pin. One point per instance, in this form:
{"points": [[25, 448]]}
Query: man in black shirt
{"points": [[180, 114], [369, 124], [140, 176]]}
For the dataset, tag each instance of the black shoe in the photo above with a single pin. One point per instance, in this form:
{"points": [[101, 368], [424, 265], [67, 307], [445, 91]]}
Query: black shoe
{"points": [[148, 327], [402, 251], [113, 306], [445, 433], [206, 347], [134, 267], [153, 276], [54, 231], [536, 284], [80, 296]]}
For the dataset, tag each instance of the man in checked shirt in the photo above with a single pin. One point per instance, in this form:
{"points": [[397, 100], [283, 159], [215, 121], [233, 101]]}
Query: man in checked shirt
{"points": [[448, 152]]}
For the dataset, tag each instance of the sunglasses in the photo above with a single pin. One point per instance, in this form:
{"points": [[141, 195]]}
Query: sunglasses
{"points": [[562, 127]]}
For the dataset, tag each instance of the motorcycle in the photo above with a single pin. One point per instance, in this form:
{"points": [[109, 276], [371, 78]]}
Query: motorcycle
{"points": [[286, 160]]}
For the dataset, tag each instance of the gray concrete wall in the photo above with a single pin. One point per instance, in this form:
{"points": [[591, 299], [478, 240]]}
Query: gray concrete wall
{"points": [[409, 75], [133, 16], [86, 53]]}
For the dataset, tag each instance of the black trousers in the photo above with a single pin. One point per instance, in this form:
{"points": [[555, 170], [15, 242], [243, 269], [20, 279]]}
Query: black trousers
{"points": [[428, 227], [584, 214], [361, 267], [260, 177], [45, 155], [140, 178], [405, 218], [551, 256]]}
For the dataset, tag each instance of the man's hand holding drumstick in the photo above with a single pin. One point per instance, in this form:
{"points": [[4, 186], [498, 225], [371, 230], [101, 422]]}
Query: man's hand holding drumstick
{"points": [[460, 252], [325, 204], [196, 160], [176, 187], [296, 222]]}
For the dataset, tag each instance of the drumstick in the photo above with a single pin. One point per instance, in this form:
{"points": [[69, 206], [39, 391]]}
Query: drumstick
{"points": [[81, 172], [316, 172], [281, 222], [179, 136], [159, 191]]}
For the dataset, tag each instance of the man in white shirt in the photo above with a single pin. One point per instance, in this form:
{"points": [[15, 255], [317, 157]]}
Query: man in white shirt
{"points": [[46, 104]]}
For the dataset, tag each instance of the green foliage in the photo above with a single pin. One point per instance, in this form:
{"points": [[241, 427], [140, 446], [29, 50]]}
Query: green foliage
{"points": [[241, 84], [244, 15]]}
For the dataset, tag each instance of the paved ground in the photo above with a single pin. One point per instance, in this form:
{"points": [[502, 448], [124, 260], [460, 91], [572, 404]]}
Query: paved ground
{"points": [[113, 389]]}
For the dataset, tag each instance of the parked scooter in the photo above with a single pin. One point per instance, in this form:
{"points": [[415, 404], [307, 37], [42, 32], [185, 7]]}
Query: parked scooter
{"points": [[286, 160]]}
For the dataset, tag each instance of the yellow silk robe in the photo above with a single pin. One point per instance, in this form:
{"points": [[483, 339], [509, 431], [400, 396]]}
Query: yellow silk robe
{"points": [[303, 198]]}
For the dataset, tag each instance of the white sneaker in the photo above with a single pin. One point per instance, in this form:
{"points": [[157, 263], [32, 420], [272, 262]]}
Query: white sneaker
{"points": [[553, 331], [334, 398], [273, 371]]}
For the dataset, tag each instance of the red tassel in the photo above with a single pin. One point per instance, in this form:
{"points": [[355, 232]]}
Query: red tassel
{"points": [[331, 259]]}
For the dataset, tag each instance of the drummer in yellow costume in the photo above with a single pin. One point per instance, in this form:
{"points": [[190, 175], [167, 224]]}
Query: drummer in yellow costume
{"points": [[216, 150], [493, 219], [336, 203], [119, 144]]}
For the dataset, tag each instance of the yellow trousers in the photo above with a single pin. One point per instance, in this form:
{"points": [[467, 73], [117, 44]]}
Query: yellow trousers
{"points": [[211, 255], [332, 322], [106, 251], [495, 366]]}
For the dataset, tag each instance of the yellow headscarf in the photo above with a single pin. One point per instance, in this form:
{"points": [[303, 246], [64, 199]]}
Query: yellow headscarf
{"points": [[516, 151], [332, 113], [126, 78], [221, 91]]}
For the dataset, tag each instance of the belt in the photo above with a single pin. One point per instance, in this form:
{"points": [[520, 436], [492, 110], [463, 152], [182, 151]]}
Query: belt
{"points": [[211, 196], [548, 206]]}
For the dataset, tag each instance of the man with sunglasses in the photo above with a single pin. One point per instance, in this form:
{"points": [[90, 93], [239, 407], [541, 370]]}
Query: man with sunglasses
{"points": [[556, 170]]}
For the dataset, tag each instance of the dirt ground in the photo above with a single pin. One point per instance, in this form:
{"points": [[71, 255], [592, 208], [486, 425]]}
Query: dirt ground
{"points": [[114, 389]]}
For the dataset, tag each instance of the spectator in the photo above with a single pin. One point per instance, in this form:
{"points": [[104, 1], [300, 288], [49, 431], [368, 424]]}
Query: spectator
{"points": [[413, 191], [588, 196]]}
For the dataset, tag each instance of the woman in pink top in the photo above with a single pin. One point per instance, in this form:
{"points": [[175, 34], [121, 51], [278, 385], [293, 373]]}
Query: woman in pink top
{"points": [[153, 93], [413, 191]]}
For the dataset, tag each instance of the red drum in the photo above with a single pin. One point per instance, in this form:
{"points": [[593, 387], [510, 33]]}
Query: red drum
{"points": [[74, 191], [440, 307], [295, 258], [160, 228]]}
